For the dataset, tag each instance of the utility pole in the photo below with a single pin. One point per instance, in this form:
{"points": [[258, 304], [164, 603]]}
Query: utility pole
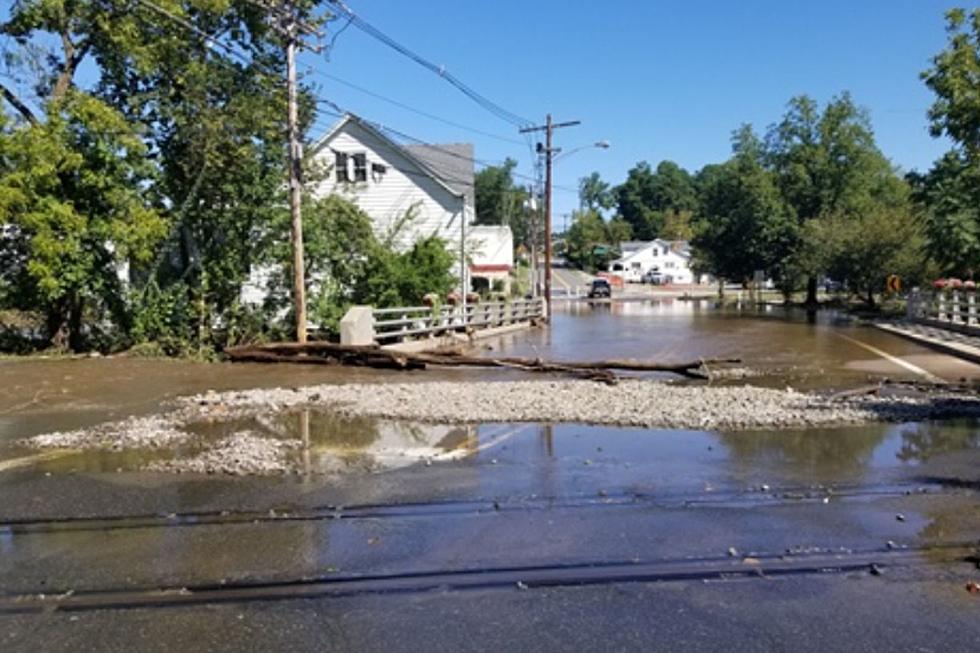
{"points": [[295, 178], [549, 153]]}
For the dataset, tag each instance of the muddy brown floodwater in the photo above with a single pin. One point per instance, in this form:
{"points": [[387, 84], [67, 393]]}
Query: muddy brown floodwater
{"points": [[374, 534]]}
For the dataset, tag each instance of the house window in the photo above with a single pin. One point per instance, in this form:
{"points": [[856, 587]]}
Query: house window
{"points": [[351, 167]]}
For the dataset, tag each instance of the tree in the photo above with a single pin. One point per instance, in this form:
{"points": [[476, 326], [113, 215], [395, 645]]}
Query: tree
{"points": [[212, 124], [591, 242], [72, 180], [645, 196], [594, 193], [949, 195], [745, 225], [828, 164], [948, 199], [498, 199], [864, 250], [677, 225]]}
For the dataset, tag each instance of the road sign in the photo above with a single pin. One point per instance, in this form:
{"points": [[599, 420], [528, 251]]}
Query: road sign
{"points": [[894, 283]]}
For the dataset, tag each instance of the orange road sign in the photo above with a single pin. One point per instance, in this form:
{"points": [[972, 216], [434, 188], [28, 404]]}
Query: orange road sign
{"points": [[894, 283]]}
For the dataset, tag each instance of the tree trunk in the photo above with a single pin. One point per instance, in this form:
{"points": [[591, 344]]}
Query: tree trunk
{"points": [[75, 337], [871, 297], [57, 323], [811, 291]]}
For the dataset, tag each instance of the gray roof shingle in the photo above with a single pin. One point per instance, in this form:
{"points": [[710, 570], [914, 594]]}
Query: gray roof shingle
{"points": [[452, 162]]}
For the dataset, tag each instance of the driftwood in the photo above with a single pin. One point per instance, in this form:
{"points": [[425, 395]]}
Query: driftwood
{"points": [[328, 353]]}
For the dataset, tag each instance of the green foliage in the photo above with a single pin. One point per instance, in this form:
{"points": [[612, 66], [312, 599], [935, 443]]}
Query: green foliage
{"points": [[955, 78], [500, 201], [826, 164], [948, 196], [594, 193], [589, 241], [644, 198], [745, 223], [863, 250], [74, 212], [346, 264]]}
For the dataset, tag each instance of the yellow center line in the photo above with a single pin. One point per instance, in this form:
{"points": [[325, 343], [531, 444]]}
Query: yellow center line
{"points": [[894, 359]]}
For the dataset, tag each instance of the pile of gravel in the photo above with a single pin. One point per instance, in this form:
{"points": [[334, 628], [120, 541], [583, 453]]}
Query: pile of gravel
{"points": [[630, 403], [241, 454], [155, 432]]}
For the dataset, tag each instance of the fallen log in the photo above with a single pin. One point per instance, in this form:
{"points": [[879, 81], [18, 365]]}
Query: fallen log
{"points": [[329, 353]]}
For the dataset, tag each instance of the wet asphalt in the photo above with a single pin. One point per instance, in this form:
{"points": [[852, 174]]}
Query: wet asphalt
{"points": [[538, 537]]}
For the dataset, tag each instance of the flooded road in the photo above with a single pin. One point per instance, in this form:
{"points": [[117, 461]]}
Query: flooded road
{"points": [[403, 536]]}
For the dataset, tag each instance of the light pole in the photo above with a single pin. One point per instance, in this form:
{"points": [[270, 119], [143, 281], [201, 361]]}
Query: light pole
{"points": [[602, 145]]}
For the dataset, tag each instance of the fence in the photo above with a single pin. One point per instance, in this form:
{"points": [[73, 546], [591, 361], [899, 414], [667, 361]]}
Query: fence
{"points": [[388, 325], [949, 309]]}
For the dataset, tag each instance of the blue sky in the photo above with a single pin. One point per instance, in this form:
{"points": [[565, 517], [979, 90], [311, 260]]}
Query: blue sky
{"points": [[659, 79]]}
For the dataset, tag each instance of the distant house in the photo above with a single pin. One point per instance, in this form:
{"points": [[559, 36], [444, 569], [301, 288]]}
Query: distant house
{"points": [[670, 257], [490, 249], [409, 191]]}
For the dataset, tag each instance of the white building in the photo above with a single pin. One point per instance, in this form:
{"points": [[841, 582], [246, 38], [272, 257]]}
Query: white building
{"points": [[409, 191], [671, 258], [434, 184], [490, 249]]}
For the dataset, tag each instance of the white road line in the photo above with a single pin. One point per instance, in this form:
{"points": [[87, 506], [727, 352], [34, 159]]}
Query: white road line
{"points": [[894, 359]]}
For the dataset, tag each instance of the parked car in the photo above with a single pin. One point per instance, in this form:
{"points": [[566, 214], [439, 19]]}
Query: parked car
{"points": [[599, 288], [656, 277]]}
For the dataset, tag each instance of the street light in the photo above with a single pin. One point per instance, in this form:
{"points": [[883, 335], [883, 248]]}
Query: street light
{"points": [[552, 155], [602, 145]]}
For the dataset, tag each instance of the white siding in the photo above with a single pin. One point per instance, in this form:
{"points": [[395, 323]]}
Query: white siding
{"points": [[490, 245], [387, 197]]}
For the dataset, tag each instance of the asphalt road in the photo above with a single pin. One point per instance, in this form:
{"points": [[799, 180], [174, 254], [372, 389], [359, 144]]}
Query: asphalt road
{"points": [[543, 538]]}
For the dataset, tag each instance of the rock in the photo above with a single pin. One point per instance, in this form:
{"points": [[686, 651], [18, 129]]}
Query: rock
{"points": [[875, 570], [900, 517], [732, 552]]}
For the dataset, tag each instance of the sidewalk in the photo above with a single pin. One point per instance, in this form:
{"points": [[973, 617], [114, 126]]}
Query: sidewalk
{"points": [[957, 344]]}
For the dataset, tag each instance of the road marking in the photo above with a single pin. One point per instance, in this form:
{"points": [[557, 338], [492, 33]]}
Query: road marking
{"points": [[894, 359], [24, 461]]}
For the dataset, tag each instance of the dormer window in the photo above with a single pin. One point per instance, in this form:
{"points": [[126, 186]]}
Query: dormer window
{"points": [[351, 167]]}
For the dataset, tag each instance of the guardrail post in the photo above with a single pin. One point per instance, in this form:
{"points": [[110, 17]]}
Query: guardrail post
{"points": [[971, 308], [956, 307], [357, 326], [941, 306]]}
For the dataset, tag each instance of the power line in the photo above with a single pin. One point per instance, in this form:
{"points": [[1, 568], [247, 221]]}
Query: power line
{"points": [[420, 112], [333, 109], [483, 101]]}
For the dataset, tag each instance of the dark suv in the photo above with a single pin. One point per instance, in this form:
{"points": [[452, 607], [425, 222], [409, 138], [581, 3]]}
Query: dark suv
{"points": [[600, 288]]}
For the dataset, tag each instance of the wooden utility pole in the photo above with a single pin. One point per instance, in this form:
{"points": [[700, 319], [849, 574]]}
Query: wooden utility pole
{"points": [[549, 153], [295, 179]]}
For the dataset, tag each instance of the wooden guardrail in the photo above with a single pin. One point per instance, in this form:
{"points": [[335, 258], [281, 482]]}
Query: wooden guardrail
{"points": [[389, 325]]}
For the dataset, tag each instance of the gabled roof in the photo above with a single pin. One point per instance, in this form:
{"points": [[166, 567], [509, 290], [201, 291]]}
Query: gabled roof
{"points": [[631, 248], [453, 162], [433, 165]]}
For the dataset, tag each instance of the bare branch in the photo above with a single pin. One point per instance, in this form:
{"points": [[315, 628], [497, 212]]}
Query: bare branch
{"points": [[16, 102]]}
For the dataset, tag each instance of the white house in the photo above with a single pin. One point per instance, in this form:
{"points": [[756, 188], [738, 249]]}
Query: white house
{"points": [[490, 250], [433, 184], [671, 258], [409, 191]]}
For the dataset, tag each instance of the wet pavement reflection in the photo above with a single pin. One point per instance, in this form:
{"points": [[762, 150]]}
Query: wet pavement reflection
{"points": [[497, 505]]}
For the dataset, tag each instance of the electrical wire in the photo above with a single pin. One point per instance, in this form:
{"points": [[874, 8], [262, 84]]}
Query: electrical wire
{"points": [[483, 101], [407, 107]]}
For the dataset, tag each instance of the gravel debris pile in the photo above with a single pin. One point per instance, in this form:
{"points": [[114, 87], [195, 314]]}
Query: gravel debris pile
{"points": [[630, 403], [155, 432], [243, 454]]}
